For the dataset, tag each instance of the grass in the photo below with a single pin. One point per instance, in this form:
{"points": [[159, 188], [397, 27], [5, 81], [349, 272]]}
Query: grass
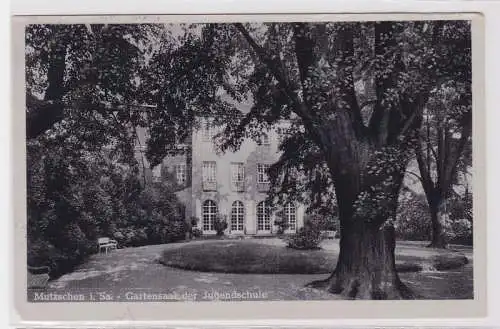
{"points": [[247, 256]]}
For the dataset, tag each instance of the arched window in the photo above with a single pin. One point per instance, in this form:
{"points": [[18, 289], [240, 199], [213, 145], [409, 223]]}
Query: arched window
{"points": [[263, 216], [291, 216], [237, 216], [209, 212]]}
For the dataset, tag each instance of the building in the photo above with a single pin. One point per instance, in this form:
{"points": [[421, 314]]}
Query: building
{"points": [[233, 184]]}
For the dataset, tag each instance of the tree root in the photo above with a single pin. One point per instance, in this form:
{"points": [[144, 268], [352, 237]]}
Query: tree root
{"points": [[355, 288], [321, 284]]}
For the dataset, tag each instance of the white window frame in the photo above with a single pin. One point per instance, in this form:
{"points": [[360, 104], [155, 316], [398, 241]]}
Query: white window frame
{"points": [[209, 171], [156, 173], [237, 216], [262, 176], [266, 140], [181, 173], [263, 140], [264, 217], [209, 210], [237, 173], [291, 216], [208, 131]]}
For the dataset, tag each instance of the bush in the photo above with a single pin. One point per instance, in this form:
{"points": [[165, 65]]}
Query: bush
{"points": [[309, 236], [281, 223], [412, 218], [196, 232], [175, 231], [461, 231], [59, 260], [72, 200], [220, 224], [194, 221], [321, 222]]}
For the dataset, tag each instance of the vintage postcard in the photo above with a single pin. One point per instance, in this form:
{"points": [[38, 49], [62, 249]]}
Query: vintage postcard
{"points": [[193, 167]]}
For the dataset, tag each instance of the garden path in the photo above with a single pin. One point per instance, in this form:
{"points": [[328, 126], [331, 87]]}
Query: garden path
{"points": [[129, 269]]}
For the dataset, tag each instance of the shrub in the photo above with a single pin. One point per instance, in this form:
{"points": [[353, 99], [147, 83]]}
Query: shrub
{"points": [[461, 231], [412, 218], [175, 231], [281, 223], [77, 194], [194, 221], [220, 224], [306, 238], [321, 222], [309, 236], [197, 232]]}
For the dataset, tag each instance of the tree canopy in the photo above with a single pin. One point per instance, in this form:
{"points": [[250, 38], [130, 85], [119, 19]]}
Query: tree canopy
{"points": [[354, 96]]}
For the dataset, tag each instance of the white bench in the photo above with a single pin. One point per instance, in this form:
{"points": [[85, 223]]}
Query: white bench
{"points": [[106, 244], [328, 234]]}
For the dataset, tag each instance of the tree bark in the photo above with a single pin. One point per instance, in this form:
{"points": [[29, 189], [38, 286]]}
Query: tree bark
{"points": [[367, 197], [438, 223], [366, 267], [367, 175]]}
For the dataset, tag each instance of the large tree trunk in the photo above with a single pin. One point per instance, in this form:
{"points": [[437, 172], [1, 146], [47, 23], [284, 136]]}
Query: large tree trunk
{"points": [[438, 223], [367, 192], [366, 267]]}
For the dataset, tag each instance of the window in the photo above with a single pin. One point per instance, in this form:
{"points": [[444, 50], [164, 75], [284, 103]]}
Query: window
{"points": [[209, 171], [290, 216], [237, 216], [208, 131], [263, 140], [209, 212], [157, 173], [238, 176], [263, 216], [181, 173], [262, 176], [209, 176]]}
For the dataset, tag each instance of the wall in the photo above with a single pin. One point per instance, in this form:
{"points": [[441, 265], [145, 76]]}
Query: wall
{"points": [[250, 154]]}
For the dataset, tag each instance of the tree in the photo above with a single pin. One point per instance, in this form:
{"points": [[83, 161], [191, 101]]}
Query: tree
{"points": [[314, 76], [72, 69], [82, 176], [445, 137]]}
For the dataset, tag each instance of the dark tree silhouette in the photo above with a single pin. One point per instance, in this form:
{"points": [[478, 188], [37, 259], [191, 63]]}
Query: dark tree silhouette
{"points": [[355, 96]]}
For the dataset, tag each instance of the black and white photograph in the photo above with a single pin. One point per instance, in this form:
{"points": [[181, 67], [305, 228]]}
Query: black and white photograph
{"points": [[281, 160]]}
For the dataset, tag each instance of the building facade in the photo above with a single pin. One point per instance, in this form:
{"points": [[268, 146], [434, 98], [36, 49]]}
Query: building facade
{"points": [[233, 185]]}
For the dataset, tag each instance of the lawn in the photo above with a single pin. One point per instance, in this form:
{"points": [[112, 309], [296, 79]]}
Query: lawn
{"points": [[138, 268], [260, 257]]}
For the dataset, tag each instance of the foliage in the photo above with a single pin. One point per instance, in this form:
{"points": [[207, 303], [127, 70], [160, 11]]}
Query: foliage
{"points": [[309, 236], [461, 219], [445, 138], [194, 221], [82, 175], [220, 224], [196, 232], [281, 222], [369, 81], [353, 94], [74, 199], [412, 218], [321, 222]]}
